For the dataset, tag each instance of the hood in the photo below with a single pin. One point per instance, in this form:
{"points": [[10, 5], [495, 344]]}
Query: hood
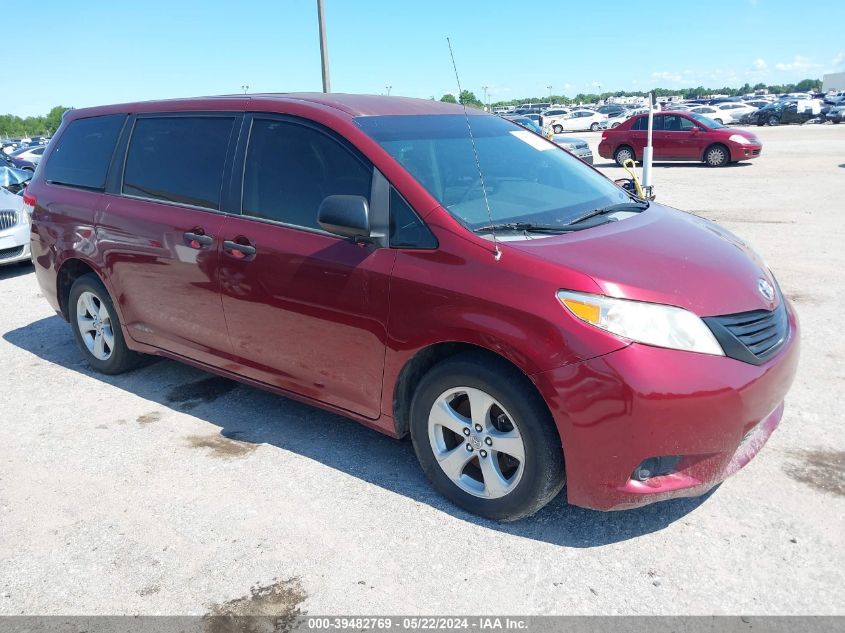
{"points": [[663, 255]]}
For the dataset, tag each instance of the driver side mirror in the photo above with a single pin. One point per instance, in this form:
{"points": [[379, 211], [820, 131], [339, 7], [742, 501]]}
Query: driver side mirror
{"points": [[347, 216]]}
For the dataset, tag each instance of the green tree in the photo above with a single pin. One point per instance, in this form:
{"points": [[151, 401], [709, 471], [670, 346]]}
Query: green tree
{"points": [[808, 85], [54, 119], [448, 98], [469, 99]]}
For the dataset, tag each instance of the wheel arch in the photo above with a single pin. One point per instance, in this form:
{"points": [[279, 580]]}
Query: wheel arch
{"points": [[69, 271], [424, 360], [716, 144]]}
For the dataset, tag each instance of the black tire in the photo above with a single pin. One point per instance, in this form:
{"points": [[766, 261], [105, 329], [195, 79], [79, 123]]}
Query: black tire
{"points": [[594, 127], [717, 155], [620, 155], [121, 358], [557, 129], [772, 120], [719, 121], [543, 471]]}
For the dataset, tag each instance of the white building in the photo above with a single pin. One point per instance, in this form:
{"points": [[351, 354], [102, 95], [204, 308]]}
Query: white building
{"points": [[833, 81]]}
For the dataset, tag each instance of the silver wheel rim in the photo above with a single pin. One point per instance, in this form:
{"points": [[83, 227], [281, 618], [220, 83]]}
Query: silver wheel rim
{"points": [[94, 323], [716, 156], [622, 155], [557, 129], [476, 442]]}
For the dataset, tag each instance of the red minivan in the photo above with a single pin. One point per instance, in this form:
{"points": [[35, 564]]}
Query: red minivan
{"points": [[685, 136], [529, 323]]}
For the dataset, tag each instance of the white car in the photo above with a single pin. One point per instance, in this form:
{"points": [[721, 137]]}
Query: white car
{"points": [[32, 154], [615, 120], [14, 228], [725, 113], [577, 120]]}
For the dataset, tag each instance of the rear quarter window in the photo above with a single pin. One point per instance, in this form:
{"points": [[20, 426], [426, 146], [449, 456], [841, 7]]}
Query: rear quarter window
{"points": [[84, 151]]}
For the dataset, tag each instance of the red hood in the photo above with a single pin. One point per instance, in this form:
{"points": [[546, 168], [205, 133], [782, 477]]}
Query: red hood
{"points": [[666, 256]]}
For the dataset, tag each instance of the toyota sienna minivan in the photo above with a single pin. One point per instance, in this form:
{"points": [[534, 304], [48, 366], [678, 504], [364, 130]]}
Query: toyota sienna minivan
{"points": [[527, 321]]}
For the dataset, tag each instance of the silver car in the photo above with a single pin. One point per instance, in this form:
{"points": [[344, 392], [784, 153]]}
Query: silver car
{"points": [[574, 146]]}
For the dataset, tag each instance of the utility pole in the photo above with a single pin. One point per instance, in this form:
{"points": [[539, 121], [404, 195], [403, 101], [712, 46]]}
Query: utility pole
{"points": [[245, 88], [550, 94], [486, 102], [324, 50], [388, 88]]}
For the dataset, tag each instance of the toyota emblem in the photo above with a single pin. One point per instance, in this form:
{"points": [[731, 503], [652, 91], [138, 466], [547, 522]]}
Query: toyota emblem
{"points": [[766, 290]]}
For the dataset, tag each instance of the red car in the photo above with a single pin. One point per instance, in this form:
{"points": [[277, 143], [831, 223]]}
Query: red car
{"points": [[680, 136], [534, 327]]}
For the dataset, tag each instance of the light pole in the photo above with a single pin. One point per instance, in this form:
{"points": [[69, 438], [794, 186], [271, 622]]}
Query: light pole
{"points": [[245, 88], [484, 88], [388, 88], [324, 49], [550, 94]]}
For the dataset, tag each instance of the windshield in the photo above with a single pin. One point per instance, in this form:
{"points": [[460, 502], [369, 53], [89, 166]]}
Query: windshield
{"points": [[527, 178], [706, 121]]}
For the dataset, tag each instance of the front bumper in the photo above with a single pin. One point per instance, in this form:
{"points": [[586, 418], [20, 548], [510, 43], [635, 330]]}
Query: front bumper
{"points": [[14, 244], [616, 411], [745, 152]]}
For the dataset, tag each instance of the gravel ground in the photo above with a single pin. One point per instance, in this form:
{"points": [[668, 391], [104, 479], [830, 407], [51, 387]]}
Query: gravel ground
{"points": [[170, 491]]}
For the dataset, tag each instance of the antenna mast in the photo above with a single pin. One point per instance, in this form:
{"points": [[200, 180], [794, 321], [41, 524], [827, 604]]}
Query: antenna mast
{"points": [[497, 253]]}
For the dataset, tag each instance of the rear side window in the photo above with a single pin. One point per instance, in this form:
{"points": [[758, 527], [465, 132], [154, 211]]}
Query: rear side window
{"points": [[178, 159], [84, 151], [290, 168]]}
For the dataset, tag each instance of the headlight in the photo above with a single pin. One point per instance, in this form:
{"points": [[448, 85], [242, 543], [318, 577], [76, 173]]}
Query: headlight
{"points": [[649, 323], [738, 138]]}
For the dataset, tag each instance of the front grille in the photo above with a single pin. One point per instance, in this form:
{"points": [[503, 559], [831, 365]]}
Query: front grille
{"points": [[8, 219], [10, 253], [752, 337]]}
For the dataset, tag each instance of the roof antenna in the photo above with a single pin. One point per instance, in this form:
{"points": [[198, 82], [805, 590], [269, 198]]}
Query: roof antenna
{"points": [[498, 254]]}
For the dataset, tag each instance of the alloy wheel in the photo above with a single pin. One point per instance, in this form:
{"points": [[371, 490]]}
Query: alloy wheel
{"points": [[476, 442], [95, 326]]}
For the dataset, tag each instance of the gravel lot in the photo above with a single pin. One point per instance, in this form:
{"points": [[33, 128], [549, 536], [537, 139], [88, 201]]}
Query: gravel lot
{"points": [[170, 491]]}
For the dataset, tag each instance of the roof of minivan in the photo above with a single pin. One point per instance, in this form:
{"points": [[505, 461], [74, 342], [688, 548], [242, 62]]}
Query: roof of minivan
{"points": [[351, 104]]}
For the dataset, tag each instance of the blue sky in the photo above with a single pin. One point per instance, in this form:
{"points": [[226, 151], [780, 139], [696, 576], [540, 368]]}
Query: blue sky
{"points": [[107, 51]]}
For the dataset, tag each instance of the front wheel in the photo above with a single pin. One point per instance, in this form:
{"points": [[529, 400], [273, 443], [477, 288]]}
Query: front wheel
{"points": [[717, 156], [96, 327], [773, 120], [485, 439]]}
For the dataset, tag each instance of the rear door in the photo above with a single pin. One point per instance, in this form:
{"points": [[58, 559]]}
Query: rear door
{"points": [[160, 231], [306, 310]]}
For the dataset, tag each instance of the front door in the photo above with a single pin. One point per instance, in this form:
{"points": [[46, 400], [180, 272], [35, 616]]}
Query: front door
{"points": [[306, 310], [160, 233]]}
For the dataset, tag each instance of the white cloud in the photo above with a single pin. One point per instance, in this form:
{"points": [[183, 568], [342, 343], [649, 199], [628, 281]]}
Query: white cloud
{"points": [[666, 76], [799, 63], [760, 64], [838, 62]]}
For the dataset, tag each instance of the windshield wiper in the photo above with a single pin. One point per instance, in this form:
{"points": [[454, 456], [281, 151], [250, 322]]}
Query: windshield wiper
{"points": [[523, 226], [613, 208]]}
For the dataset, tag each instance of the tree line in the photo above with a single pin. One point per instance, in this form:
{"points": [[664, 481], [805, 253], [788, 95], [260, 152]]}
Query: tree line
{"points": [[14, 126], [468, 98]]}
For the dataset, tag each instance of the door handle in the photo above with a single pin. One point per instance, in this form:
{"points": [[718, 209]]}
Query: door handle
{"points": [[198, 239], [242, 249]]}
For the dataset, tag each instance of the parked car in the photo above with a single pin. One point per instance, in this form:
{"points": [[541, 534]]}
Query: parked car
{"points": [[836, 114], [835, 98], [552, 113], [577, 120], [781, 113], [575, 146], [611, 109], [725, 113], [615, 120], [20, 163], [14, 221], [680, 136], [342, 250], [31, 153]]}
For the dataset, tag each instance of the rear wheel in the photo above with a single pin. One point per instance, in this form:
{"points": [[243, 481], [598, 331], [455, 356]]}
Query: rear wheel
{"points": [[485, 439], [717, 156], [772, 120], [615, 125], [719, 121], [594, 127], [96, 327], [557, 129], [622, 154]]}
